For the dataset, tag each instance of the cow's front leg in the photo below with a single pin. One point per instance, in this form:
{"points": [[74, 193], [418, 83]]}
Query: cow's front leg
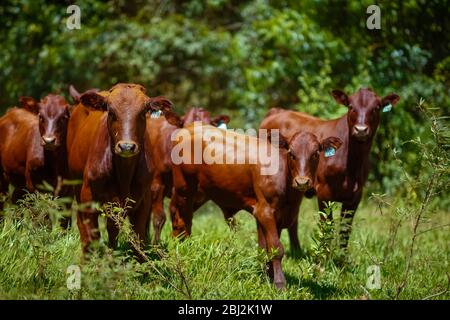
{"points": [[87, 219], [265, 216], [158, 213], [140, 220]]}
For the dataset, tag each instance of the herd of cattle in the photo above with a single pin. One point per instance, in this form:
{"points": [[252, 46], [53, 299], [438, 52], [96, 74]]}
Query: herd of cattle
{"points": [[111, 141]]}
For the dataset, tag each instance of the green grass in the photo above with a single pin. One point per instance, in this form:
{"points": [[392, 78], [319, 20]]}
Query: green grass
{"points": [[218, 263]]}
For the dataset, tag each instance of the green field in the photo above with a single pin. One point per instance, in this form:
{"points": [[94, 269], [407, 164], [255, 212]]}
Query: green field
{"points": [[218, 263]]}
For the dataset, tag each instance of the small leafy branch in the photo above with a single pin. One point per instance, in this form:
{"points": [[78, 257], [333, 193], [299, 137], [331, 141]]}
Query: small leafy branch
{"points": [[324, 238], [431, 183], [117, 214]]}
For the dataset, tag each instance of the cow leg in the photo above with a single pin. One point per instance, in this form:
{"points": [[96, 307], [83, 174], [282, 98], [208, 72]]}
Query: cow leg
{"points": [[347, 215], [293, 236], [3, 191], [140, 219], [87, 220], [182, 202], [113, 232], [293, 228], [266, 218], [66, 221], [159, 216], [261, 237], [183, 214]]}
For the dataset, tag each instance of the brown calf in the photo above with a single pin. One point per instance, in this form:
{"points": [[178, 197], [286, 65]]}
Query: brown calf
{"points": [[33, 145], [233, 187], [109, 148], [340, 178], [160, 132]]}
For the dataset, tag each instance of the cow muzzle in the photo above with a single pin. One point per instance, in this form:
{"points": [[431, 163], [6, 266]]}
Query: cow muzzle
{"points": [[126, 149], [302, 183], [361, 132], [49, 142]]}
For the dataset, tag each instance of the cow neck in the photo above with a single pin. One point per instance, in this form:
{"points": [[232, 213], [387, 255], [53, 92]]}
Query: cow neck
{"points": [[56, 162], [125, 170], [357, 157]]}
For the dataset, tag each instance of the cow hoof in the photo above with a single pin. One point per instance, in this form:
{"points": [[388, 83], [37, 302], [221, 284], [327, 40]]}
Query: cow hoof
{"points": [[280, 285]]}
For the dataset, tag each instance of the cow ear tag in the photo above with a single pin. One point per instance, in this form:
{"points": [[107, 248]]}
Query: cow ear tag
{"points": [[329, 152], [156, 114], [222, 125], [387, 108]]}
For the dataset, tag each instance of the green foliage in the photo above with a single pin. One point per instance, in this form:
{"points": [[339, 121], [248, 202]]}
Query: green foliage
{"points": [[219, 263]]}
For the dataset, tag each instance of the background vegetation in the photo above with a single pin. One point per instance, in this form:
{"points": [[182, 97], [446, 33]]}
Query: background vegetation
{"points": [[241, 58]]}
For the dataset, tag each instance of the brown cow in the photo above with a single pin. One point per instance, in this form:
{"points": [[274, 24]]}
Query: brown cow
{"points": [[270, 197], [160, 132], [340, 178], [108, 147], [33, 145]]}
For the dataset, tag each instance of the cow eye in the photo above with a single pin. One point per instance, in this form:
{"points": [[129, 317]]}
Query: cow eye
{"points": [[111, 115], [41, 118], [292, 156]]}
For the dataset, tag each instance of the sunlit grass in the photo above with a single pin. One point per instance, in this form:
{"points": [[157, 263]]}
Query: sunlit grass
{"points": [[218, 263]]}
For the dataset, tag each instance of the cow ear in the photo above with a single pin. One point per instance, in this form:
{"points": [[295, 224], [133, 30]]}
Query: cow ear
{"points": [[218, 120], [330, 145], [159, 103], [340, 97], [282, 141], [390, 99], [93, 100], [173, 118], [28, 103], [74, 94]]}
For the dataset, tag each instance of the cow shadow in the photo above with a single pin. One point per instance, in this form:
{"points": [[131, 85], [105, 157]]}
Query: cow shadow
{"points": [[318, 290]]}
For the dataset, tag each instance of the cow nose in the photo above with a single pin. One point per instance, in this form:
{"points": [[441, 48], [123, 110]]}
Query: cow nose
{"points": [[49, 139], [126, 148], [302, 183], [361, 129]]}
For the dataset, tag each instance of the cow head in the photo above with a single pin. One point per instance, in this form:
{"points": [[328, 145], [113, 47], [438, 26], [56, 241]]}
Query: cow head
{"points": [[53, 112], [364, 109], [196, 114], [126, 106], [303, 157]]}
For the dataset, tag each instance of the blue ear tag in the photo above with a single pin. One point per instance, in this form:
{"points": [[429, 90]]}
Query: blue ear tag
{"points": [[222, 125], [387, 108], [155, 114], [329, 152]]}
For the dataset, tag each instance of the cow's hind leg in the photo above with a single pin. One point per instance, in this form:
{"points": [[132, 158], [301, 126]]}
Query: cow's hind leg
{"points": [[158, 214], [140, 220], [182, 203]]}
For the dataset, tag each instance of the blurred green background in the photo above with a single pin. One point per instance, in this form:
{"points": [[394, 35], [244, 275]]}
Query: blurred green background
{"points": [[241, 58]]}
